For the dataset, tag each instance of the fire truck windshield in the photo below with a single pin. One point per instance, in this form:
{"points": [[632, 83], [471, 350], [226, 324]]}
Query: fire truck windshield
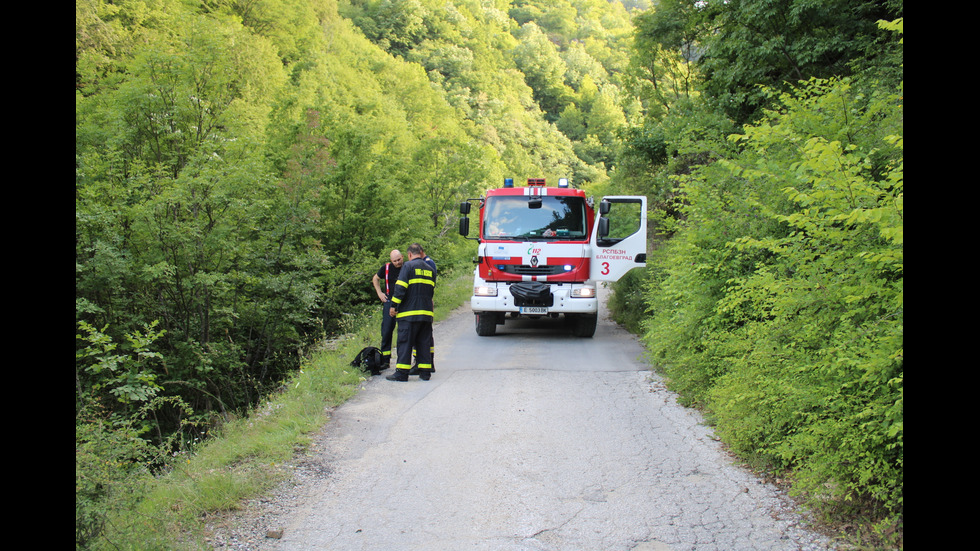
{"points": [[513, 217]]}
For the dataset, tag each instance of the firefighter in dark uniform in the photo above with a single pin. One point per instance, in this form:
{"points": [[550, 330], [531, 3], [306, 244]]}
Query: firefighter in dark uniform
{"points": [[412, 307], [432, 349], [389, 275]]}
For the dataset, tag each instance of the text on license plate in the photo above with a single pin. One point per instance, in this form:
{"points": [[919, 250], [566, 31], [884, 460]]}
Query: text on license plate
{"points": [[534, 310]]}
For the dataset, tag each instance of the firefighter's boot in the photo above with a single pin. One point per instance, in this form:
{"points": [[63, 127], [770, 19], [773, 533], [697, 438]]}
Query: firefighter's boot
{"points": [[400, 375], [416, 371]]}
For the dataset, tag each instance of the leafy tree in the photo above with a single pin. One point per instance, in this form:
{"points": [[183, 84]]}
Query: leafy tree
{"points": [[667, 43], [572, 123], [579, 64], [396, 25], [555, 18], [761, 43], [606, 117], [451, 172], [840, 269], [169, 184], [544, 69]]}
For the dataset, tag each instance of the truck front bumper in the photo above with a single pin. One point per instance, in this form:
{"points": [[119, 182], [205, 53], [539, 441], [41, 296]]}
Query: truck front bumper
{"points": [[565, 298]]}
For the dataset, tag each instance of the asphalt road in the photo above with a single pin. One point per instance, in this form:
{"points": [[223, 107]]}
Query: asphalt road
{"points": [[530, 440]]}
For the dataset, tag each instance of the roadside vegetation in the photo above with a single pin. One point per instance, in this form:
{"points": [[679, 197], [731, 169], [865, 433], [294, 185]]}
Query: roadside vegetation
{"points": [[131, 494], [774, 295]]}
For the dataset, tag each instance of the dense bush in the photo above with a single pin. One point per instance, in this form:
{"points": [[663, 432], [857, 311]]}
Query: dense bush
{"points": [[778, 304]]}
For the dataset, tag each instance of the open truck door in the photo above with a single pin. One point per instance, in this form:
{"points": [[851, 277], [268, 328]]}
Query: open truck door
{"points": [[619, 237]]}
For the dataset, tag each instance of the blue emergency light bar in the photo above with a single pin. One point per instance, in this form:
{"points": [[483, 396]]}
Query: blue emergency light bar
{"points": [[562, 182], [508, 182]]}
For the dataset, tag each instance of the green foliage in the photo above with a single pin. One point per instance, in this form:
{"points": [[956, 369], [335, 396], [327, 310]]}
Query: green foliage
{"points": [[115, 467], [666, 45], [543, 68], [127, 377], [242, 168], [830, 301], [774, 295], [627, 304], [779, 304], [513, 68], [134, 495], [238, 179], [761, 43], [109, 472]]}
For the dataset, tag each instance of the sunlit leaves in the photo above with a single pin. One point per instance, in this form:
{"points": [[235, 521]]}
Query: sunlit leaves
{"points": [[780, 303]]}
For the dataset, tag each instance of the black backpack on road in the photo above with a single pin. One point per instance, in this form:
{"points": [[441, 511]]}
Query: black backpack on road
{"points": [[369, 360]]}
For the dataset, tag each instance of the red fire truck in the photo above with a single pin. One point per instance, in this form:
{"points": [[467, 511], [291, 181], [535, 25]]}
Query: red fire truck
{"points": [[542, 250]]}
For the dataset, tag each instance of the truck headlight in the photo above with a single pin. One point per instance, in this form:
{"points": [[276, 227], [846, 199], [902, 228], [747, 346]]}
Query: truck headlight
{"points": [[485, 291], [583, 292]]}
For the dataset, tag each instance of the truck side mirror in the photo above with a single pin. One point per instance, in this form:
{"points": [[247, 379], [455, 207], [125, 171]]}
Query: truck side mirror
{"points": [[464, 208], [604, 207], [603, 230], [464, 227]]}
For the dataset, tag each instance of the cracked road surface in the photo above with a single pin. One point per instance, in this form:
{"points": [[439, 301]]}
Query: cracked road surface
{"points": [[531, 440]]}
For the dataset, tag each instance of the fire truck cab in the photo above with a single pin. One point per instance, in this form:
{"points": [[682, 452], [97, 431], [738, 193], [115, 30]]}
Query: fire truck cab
{"points": [[542, 250]]}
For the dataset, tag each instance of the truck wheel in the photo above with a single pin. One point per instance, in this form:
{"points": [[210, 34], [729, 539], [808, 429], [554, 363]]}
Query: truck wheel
{"points": [[584, 325], [486, 324]]}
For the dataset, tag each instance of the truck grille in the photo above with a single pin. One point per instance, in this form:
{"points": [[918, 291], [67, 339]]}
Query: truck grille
{"points": [[528, 270]]}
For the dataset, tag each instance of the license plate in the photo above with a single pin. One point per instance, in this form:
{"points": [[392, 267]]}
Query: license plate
{"points": [[534, 310]]}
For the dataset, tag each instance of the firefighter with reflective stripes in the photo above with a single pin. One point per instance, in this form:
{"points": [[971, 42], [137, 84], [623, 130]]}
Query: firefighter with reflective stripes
{"points": [[389, 275], [413, 308], [432, 348]]}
